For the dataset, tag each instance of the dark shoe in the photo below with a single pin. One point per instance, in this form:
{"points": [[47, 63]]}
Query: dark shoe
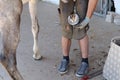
{"points": [[83, 70], [63, 67]]}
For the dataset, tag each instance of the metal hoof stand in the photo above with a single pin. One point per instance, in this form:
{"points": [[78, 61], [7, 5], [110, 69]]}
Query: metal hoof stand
{"points": [[111, 69]]}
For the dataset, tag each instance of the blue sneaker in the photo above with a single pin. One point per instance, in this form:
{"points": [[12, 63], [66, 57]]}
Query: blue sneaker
{"points": [[63, 67], [83, 70]]}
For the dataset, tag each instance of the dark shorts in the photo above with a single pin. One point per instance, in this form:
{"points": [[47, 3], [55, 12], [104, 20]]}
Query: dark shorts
{"points": [[65, 10]]}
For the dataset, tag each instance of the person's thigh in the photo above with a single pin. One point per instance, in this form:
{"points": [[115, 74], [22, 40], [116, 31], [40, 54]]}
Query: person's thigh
{"points": [[66, 9], [81, 10]]}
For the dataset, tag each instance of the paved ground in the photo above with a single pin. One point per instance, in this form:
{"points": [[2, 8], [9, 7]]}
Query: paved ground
{"points": [[100, 35]]}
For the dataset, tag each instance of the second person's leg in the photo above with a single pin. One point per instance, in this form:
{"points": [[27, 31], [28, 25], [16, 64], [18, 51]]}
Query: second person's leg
{"points": [[84, 46]]}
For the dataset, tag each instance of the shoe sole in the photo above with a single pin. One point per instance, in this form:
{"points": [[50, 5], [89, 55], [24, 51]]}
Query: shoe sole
{"points": [[63, 72], [80, 76]]}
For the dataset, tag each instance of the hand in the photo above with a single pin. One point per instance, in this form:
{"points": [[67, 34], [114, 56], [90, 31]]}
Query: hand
{"points": [[84, 23]]}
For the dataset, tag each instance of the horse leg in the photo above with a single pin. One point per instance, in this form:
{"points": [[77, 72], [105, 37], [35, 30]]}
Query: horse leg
{"points": [[35, 28], [10, 39]]}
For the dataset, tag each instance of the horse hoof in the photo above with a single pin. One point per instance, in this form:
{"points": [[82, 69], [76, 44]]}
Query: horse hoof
{"points": [[38, 57]]}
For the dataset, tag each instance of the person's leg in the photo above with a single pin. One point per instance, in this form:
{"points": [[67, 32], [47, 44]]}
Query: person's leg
{"points": [[65, 9], [84, 46], [66, 43], [63, 67]]}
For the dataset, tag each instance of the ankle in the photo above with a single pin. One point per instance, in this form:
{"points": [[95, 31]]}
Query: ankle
{"points": [[66, 57], [85, 60]]}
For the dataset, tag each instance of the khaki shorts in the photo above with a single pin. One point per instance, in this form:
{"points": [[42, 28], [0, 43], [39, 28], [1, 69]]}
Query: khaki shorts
{"points": [[65, 10]]}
